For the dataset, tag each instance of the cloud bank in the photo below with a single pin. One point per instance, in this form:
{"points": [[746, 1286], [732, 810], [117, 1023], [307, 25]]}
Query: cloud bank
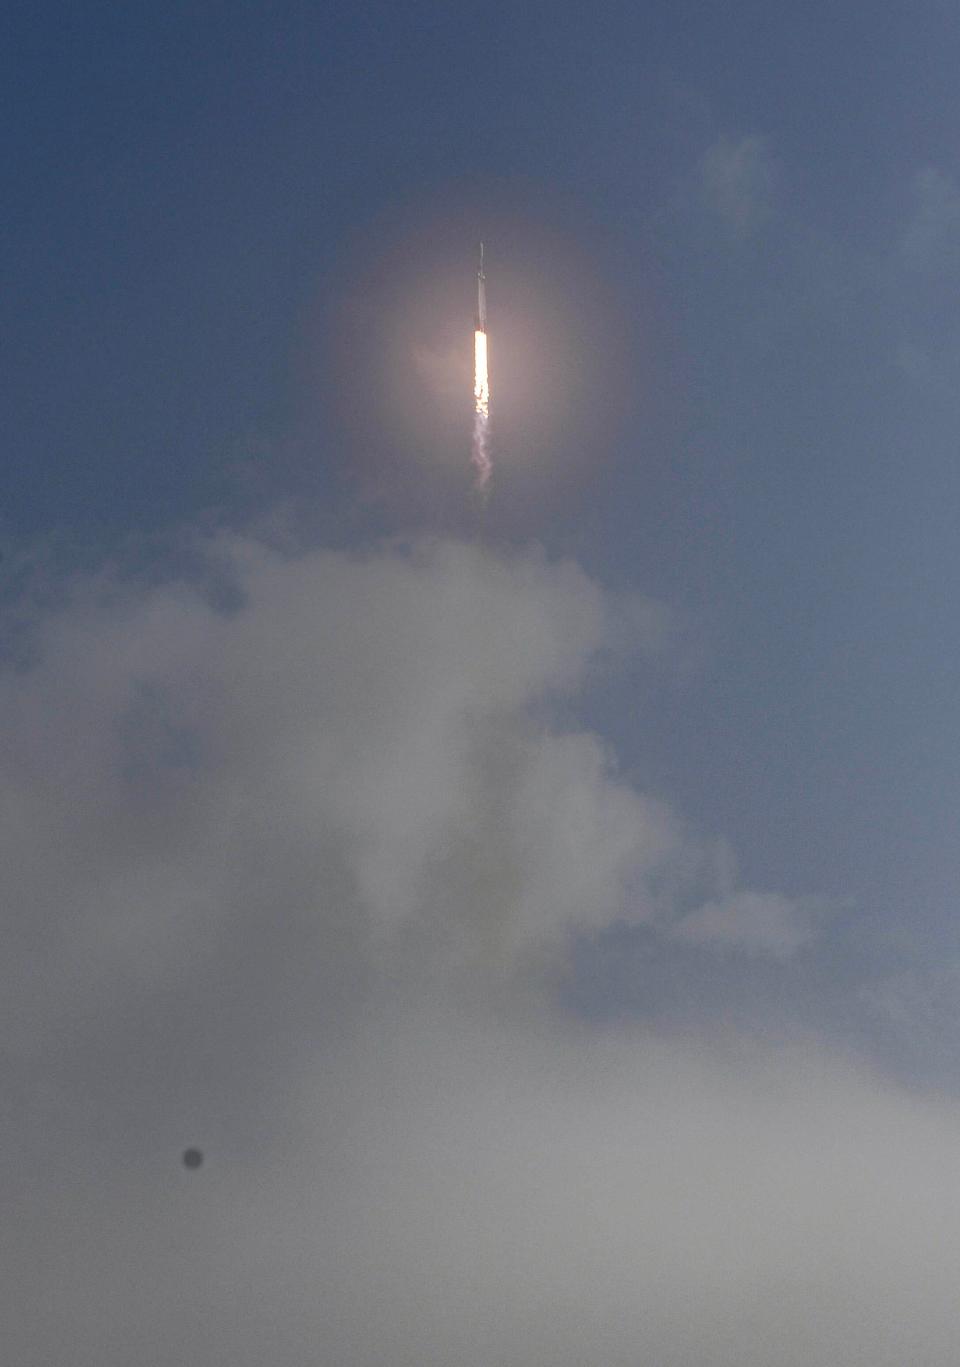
{"points": [[294, 852]]}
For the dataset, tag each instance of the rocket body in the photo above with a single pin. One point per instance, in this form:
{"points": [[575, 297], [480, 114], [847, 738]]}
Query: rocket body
{"points": [[481, 384], [481, 324]]}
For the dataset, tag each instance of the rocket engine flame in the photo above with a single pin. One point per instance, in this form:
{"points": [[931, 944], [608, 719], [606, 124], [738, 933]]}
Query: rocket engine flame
{"points": [[480, 455], [481, 383]]}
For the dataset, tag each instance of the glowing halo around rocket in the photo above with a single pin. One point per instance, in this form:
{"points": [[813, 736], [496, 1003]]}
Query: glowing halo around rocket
{"points": [[433, 420]]}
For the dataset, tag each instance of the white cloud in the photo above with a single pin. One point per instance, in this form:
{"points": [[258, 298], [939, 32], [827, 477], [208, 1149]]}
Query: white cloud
{"points": [[449, 1187], [292, 881], [758, 922], [738, 180], [360, 722]]}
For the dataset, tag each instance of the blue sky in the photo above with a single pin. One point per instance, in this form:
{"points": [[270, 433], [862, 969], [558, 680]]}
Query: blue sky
{"points": [[183, 184], [719, 706]]}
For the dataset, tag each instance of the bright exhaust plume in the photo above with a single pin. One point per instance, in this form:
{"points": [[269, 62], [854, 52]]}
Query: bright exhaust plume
{"points": [[480, 456]]}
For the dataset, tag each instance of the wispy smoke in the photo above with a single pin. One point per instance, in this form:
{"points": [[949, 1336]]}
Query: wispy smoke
{"points": [[480, 453], [292, 872]]}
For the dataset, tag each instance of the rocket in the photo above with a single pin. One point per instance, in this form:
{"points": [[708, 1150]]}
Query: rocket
{"points": [[480, 455], [481, 323]]}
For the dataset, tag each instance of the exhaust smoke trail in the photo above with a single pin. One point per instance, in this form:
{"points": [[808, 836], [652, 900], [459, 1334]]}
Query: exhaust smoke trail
{"points": [[480, 455]]}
